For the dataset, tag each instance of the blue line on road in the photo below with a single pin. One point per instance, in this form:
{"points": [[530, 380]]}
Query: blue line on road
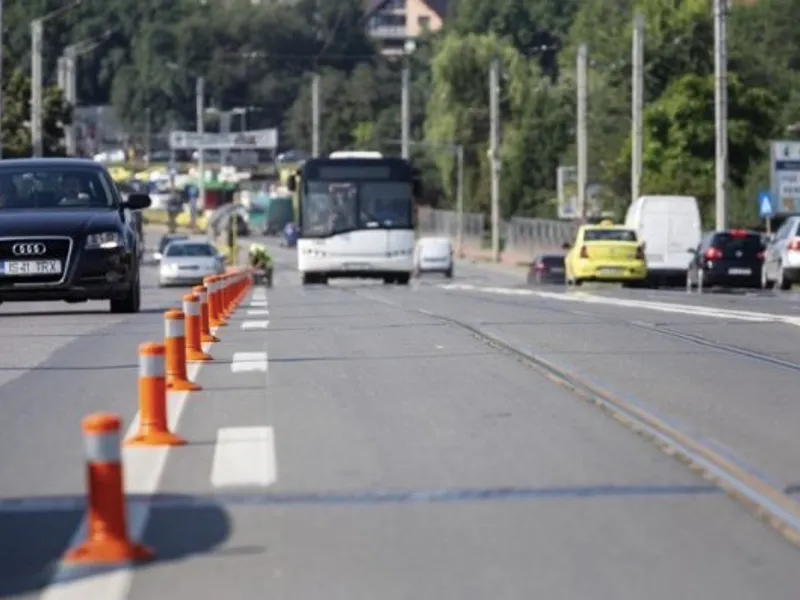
{"points": [[72, 503]]}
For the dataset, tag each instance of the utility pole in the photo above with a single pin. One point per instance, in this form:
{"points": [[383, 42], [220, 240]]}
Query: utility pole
{"points": [[494, 153], [148, 116], [200, 92], [36, 87], [2, 82], [460, 201], [721, 112], [405, 100], [315, 115], [637, 106], [71, 96], [582, 141]]}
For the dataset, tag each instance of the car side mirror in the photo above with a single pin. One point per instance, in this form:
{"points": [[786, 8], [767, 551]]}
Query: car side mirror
{"points": [[158, 256], [291, 183], [692, 250], [566, 246], [137, 201], [417, 188]]}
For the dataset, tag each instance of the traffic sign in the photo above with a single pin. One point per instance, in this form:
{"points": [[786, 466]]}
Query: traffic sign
{"points": [[250, 140], [785, 177], [765, 208]]}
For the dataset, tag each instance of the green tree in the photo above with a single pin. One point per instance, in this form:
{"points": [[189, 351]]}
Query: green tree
{"points": [[680, 137]]}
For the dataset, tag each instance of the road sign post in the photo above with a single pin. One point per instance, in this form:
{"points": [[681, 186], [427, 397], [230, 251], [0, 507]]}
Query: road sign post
{"points": [[785, 177], [765, 208]]}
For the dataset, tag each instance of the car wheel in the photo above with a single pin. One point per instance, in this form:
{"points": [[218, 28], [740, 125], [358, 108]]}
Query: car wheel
{"points": [[131, 302], [403, 279], [449, 273], [783, 283], [766, 284]]}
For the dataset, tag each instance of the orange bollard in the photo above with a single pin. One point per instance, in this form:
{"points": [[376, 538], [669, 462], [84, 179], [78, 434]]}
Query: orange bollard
{"points": [[194, 343], [205, 329], [226, 295], [107, 540], [215, 303], [175, 350], [153, 427]]}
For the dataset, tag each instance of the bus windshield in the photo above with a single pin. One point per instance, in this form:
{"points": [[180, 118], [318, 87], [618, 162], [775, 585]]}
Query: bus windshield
{"points": [[328, 208]]}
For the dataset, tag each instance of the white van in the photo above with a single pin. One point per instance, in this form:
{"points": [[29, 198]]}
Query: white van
{"points": [[668, 226], [434, 255]]}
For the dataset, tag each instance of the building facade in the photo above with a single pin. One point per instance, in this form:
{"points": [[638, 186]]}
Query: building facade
{"points": [[391, 23]]}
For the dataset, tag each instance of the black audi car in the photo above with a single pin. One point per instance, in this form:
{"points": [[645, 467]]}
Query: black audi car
{"points": [[66, 234]]}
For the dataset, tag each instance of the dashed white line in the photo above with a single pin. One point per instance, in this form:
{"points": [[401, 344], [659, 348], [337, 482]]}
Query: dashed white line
{"points": [[255, 324], [259, 312], [244, 456], [258, 303], [244, 362]]}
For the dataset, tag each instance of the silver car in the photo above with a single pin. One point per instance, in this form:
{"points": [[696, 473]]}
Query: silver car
{"points": [[187, 262], [782, 257]]}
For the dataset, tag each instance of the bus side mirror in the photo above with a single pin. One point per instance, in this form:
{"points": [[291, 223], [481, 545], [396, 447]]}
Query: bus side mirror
{"points": [[291, 183], [417, 188]]}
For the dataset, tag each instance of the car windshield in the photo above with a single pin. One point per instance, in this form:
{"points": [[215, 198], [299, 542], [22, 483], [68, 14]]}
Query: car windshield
{"points": [[609, 235], [48, 188], [181, 249], [328, 207], [165, 241]]}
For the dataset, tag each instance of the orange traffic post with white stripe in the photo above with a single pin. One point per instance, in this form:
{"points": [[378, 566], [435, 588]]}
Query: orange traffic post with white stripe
{"points": [[175, 346], [215, 317], [205, 328], [153, 426], [107, 540], [226, 295], [194, 341]]}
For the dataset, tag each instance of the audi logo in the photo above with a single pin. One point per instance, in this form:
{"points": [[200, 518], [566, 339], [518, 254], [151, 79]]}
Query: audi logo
{"points": [[30, 249]]}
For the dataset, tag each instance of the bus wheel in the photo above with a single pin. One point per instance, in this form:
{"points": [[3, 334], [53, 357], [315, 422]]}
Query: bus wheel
{"points": [[403, 279], [309, 279], [388, 280]]}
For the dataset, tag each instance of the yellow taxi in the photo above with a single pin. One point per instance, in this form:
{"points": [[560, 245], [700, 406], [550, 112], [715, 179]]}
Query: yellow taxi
{"points": [[606, 252]]}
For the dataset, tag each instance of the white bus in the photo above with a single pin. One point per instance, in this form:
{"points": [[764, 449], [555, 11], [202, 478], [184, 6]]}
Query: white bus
{"points": [[356, 218]]}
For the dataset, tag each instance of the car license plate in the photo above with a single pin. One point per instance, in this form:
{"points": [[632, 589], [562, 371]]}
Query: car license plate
{"points": [[740, 271], [30, 267], [356, 266], [611, 271], [557, 270]]}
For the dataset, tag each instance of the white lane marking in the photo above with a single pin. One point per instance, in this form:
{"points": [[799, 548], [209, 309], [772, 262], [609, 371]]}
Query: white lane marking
{"points": [[668, 307], [255, 324], [259, 312], [244, 456], [244, 362], [142, 468], [257, 304]]}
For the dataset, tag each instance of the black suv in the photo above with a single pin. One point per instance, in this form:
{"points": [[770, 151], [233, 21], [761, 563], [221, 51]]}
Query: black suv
{"points": [[64, 234]]}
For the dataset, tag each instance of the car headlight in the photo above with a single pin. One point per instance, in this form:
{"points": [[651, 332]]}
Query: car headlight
{"points": [[104, 240], [169, 268]]}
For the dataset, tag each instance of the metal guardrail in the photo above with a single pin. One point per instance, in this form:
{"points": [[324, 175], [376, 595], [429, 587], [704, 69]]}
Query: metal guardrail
{"points": [[522, 238]]}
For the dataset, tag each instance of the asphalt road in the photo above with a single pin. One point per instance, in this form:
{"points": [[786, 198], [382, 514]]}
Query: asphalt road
{"points": [[360, 441]]}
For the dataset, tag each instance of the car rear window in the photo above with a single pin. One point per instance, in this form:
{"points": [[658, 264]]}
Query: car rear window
{"points": [[552, 261], [729, 244], [609, 235]]}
